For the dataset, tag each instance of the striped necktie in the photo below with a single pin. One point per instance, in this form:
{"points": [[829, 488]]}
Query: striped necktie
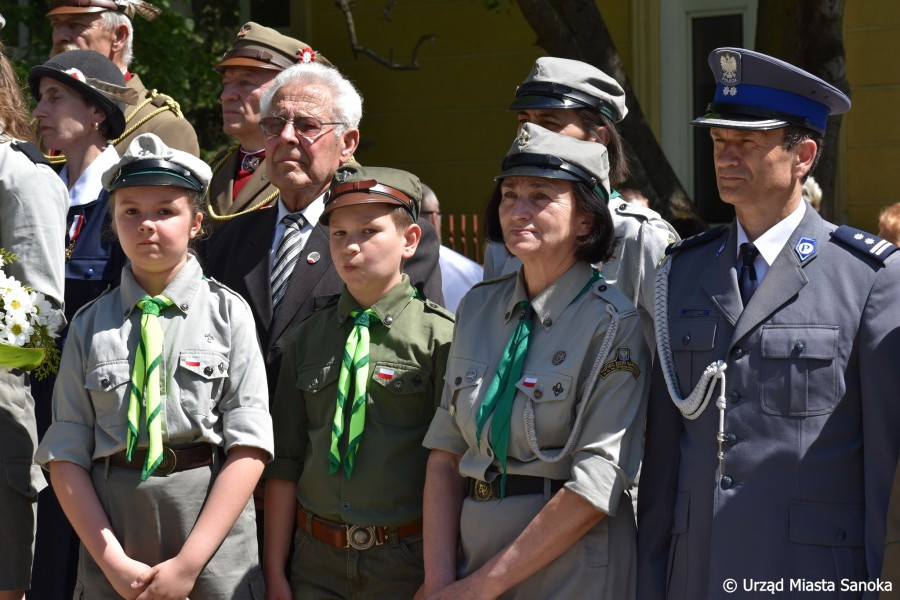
{"points": [[356, 365], [286, 256], [145, 385]]}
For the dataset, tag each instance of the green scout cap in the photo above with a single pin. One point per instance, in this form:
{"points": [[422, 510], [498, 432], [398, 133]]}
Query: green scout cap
{"points": [[538, 152], [569, 84], [383, 185], [265, 48], [148, 161], [127, 7]]}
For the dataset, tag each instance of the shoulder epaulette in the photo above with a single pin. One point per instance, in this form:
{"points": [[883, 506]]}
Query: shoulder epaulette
{"points": [[864, 242], [495, 279], [612, 295], [696, 240], [31, 151], [436, 308]]}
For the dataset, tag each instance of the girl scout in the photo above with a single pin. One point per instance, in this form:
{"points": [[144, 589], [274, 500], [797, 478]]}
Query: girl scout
{"points": [[160, 419]]}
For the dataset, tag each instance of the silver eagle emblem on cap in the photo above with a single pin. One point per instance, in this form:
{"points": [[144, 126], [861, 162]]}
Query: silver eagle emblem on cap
{"points": [[730, 69]]}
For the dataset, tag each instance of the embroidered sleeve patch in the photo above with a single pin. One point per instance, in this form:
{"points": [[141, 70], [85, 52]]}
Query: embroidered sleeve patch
{"points": [[622, 362]]}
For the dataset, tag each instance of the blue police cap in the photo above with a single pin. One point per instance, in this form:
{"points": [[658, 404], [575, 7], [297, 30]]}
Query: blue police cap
{"points": [[756, 91]]}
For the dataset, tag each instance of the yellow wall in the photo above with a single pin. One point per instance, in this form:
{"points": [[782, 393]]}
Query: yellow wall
{"points": [[871, 130], [447, 121]]}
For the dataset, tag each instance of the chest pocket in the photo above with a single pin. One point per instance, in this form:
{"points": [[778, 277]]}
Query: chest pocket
{"points": [[552, 399], [319, 386], [400, 395], [464, 383], [108, 386], [200, 377], [798, 377], [692, 342]]}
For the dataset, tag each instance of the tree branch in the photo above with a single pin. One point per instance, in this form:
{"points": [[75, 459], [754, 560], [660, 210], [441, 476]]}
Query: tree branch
{"points": [[346, 7]]}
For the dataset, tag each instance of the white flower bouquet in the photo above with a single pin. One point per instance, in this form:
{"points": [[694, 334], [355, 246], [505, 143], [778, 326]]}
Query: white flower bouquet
{"points": [[28, 326]]}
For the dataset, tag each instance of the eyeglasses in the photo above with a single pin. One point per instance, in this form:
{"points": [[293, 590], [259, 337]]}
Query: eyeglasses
{"points": [[306, 127]]}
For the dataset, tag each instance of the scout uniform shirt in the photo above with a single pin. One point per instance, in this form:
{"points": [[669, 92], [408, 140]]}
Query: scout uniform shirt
{"points": [[569, 327], [407, 356]]}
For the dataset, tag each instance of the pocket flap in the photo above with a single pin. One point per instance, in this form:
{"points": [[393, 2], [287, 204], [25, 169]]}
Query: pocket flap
{"points": [[107, 376], [400, 379], [315, 379], [681, 512], [25, 477], [464, 373], [209, 365], [692, 334], [803, 341], [825, 524], [545, 387]]}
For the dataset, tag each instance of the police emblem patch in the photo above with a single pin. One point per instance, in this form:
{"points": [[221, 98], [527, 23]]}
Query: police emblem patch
{"points": [[805, 248], [622, 362], [729, 69], [559, 357]]}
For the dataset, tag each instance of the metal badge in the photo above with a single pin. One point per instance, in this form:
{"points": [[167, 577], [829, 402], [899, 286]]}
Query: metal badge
{"points": [[483, 491], [539, 393], [361, 538], [342, 176], [522, 138], [729, 68], [471, 374], [805, 248], [559, 357], [313, 257]]}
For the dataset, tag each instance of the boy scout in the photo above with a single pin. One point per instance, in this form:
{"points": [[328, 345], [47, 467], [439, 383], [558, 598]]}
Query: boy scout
{"points": [[349, 464], [785, 476]]}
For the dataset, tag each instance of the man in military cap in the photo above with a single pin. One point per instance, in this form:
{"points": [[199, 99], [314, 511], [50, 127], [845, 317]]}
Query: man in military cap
{"points": [[106, 27], [239, 172], [776, 478]]}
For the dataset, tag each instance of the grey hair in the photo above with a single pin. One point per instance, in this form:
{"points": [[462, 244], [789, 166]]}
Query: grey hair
{"points": [[112, 20], [346, 100]]}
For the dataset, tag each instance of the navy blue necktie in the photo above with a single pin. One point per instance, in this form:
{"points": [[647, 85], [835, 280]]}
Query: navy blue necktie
{"points": [[747, 281]]}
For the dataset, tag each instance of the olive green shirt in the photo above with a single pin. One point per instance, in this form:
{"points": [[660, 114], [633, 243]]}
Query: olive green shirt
{"points": [[407, 356]]}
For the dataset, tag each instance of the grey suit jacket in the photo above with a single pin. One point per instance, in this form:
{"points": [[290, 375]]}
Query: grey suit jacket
{"points": [[812, 421]]}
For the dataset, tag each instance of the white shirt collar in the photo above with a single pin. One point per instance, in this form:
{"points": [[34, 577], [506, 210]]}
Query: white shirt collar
{"points": [[311, 213], [773, 240], [88, 187]]}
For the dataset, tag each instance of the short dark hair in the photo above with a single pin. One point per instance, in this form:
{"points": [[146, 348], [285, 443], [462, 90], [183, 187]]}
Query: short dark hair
{"points": [[402, 218], [618, 158], [596, 246], [794, 135]]}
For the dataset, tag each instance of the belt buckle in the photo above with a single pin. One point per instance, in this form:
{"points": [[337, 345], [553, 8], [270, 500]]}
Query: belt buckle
{"points": [[484, 491], [167, 464], [360, 537]]}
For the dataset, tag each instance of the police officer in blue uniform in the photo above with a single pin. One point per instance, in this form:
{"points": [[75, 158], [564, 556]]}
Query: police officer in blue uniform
{"points": [[772, 430]]}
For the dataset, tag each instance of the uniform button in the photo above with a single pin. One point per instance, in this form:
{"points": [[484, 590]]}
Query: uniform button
{"points": [[88, 273], [730, 439], [314, 384], [686, 339], [538, 394], [105, 383], [548, 322], [737, 352], [457, 381], [734, 396], [388, 319], [184, 306], [208, 371], [345, 506], [841, 535], [398, 384], [799, 347], [602, 288], [726, 483], [623, 206]]}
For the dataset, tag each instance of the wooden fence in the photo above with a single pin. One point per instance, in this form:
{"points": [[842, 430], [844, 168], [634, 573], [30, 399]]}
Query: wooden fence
{"points": [[462, 233]]}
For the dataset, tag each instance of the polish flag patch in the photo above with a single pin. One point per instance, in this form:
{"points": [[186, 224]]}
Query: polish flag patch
{"points": [[386, 374], [192, 363], [529, 382]]}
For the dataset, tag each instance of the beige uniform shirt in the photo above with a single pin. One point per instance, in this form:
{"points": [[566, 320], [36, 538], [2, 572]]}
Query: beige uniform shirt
{"points": [[642, 236], [213, 385], [568, 331]]}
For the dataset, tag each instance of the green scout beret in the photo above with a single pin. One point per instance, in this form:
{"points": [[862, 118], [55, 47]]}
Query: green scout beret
{"points": [[361, 185], [564, 83], [538, 152], [127, 7], [265, 48], [148, 161], [757, 92]]}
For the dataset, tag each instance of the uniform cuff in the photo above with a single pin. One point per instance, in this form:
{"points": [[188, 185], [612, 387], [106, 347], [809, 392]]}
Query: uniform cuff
{"points": [[283, 468], [598, 481], [444, 434], [248, 426], [70, 442]]}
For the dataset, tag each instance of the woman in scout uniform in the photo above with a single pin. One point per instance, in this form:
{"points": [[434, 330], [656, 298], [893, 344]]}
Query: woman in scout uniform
{"points": [[80, 98], [160, 417], [540, 428]]}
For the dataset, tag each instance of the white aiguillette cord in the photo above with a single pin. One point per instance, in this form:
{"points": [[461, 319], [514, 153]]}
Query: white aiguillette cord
{"points": [[692, 406]]}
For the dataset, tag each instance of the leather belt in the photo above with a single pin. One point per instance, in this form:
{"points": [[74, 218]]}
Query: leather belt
{"points": [[181, 459], [358, 537], [516, 485]]}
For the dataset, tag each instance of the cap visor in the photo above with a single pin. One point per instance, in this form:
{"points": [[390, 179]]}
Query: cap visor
{"points": [[153, 178], [532, 101], [530, 171], [733, 121], [239, 61], [358, 198], [70, 10]]}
